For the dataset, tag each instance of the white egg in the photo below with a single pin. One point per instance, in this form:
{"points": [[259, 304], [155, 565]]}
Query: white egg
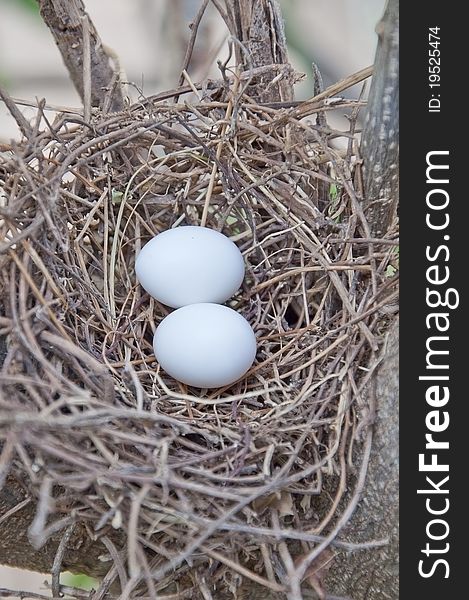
{"points": [[189, 265], [205, 345]]}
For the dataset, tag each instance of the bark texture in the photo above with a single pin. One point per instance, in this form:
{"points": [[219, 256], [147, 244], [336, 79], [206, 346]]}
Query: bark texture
{"points": [[380, 139], [82, 554], [258, 25], [65, 21]]}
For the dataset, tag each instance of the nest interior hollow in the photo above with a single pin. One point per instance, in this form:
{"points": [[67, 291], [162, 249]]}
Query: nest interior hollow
{"points": [[207, 485]]}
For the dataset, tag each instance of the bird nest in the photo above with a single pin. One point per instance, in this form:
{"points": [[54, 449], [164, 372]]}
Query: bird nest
{"points": [[189, 493]]}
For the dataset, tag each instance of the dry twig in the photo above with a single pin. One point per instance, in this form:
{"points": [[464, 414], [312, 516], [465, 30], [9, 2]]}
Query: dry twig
{"points": [[175, 475]]}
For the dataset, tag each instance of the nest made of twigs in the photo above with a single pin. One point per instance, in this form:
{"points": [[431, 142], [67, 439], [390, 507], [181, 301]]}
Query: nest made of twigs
{"points": [[204, 490]]}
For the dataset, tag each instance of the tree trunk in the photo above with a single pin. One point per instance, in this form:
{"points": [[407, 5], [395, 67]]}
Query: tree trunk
{"points": [[72, 30], [380, 139]]}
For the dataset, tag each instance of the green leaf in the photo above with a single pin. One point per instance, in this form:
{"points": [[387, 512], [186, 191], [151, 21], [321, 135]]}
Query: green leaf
{"points": [[333, 192], [79, 581], [116, 197]]}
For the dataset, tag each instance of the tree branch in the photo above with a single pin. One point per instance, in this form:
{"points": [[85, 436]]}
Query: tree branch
{"points": [[380, 139], [258, 25], [67, 19], [79, 552]]}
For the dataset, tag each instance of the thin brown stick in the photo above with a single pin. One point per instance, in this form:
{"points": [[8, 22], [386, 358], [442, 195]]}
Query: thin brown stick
{"points": [[347, 513], [23, 124], [194, 27], [335, 89], [58, 559], [275, 587]]}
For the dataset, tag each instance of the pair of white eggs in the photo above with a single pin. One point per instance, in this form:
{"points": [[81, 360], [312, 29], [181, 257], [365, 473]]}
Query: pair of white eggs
{"points": [[195, 269]]}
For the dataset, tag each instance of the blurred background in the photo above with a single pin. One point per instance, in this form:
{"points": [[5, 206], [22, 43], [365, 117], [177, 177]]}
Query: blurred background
{"points": [[150, 38]]}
